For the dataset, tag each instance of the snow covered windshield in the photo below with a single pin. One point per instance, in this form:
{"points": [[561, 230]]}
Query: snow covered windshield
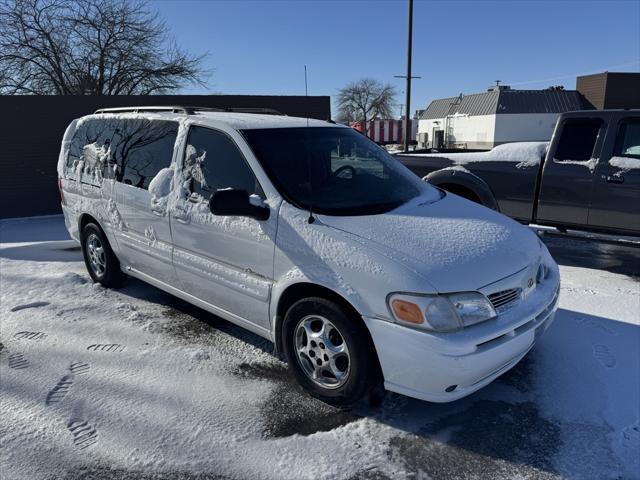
{"points": [[337, 170]]}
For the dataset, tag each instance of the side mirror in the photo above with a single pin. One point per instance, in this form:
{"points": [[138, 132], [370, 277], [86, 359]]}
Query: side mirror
{"points": [[236, 203]]}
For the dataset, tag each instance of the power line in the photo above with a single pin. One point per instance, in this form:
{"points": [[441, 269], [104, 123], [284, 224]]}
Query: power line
{"points": [[573, 75]]}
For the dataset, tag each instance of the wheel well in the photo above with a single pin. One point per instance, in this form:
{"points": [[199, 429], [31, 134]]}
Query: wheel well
{"points": [[463, 191], [85, 218], [299, 291]]}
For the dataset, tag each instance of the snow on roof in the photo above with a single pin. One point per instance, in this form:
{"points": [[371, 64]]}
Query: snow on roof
{"points": [[237, 120], [243, 121]]}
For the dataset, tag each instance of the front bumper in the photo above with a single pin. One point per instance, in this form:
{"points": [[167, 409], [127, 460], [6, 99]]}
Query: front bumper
{"points": [[425, 365]]}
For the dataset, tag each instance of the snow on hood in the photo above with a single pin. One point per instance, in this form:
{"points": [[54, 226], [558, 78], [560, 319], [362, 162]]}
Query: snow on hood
{"points": [[455, 244]]}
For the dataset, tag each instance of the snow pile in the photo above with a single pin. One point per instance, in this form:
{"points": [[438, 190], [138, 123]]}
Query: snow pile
{"points": [[160, 189], [160, 186], [524, 154]]}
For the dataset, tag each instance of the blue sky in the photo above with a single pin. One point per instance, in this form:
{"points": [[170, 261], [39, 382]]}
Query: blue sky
{"points": [[260, 47]]}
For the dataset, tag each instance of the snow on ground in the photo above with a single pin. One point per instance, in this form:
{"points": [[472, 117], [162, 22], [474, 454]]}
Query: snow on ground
{"points": [[134, 383]]}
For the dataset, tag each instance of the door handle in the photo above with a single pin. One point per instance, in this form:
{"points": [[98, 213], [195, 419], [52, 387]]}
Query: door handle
{"points": [[615, 179]]}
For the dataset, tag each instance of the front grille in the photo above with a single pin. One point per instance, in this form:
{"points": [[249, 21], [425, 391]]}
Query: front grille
{"points": [[504, 297]]}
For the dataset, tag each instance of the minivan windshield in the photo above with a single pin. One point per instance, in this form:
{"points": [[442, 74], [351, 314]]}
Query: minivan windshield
{"points": [[336, 170]]}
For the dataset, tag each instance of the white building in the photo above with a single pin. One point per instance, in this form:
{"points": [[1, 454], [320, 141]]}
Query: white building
{"points": [[500, 115]]}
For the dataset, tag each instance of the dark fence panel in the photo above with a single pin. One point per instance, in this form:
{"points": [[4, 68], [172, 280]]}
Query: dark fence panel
{"points": [[32, 129]]}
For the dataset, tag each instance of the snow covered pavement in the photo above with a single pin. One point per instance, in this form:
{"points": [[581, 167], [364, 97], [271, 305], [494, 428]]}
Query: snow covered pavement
{"points": [[134, 383]]}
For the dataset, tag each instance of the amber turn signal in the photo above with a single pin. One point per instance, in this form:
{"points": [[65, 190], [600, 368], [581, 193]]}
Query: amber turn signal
{"points": [[407, 311]]}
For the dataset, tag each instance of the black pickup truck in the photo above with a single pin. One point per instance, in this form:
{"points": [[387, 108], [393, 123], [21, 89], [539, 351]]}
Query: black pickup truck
{"points": [[586, 178]]}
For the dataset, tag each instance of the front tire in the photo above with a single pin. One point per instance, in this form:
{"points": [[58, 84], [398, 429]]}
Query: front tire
{"points": [[102, 264], [329, 352]]}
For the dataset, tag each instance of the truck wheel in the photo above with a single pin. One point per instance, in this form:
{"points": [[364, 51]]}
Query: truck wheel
{"points": [[329, 352], [102, 264]]}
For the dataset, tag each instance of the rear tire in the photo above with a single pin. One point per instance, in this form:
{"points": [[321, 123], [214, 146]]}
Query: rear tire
{"points": [[329, 352], [102, 264]]}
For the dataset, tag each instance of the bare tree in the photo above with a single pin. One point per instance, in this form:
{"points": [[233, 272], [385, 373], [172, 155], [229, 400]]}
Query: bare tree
{"points": [[90, 47], [365, 100]]}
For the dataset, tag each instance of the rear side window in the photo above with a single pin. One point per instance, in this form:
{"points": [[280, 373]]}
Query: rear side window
{"points": [[214, 162], [628, 139], [143, 148], [89, 151], [578, 139], [132, 150]]}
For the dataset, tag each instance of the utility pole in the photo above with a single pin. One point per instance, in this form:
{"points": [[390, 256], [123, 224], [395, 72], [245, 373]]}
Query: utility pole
{"points": [[407, 130]]}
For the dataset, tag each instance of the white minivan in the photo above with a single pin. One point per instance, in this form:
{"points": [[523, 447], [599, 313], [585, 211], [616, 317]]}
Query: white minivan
{"points": [[310, 235]]}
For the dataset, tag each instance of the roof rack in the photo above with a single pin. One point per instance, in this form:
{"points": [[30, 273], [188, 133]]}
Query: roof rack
{"points": [[188, 110], [173, 109]]}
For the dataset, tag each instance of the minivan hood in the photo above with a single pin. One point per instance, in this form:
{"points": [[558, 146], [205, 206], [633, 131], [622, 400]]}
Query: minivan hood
{"points": [[454, 244]]}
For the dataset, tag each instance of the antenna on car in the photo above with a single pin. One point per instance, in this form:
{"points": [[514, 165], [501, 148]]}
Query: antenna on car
{"points": [[306, 94]]}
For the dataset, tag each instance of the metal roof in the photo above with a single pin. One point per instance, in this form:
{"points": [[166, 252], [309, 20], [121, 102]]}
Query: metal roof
{"points": [[506, 101]]}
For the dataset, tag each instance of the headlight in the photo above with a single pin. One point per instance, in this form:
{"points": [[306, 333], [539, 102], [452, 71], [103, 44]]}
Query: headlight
{"points": [[543, 272], [545, 261], [440, 313]]}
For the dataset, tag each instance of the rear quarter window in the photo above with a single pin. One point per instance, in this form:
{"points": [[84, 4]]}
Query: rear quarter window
{"points": [[89, 150], [129, 150]]}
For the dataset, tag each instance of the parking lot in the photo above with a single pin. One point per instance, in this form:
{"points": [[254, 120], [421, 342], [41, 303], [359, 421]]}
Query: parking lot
{"points": [[135, 383]]}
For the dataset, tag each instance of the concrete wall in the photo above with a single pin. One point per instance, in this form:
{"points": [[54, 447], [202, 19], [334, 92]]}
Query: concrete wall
{"points": [[427, 126], [487, 131], [468, 131], [472, 131], [32, 129], [524, 127]]}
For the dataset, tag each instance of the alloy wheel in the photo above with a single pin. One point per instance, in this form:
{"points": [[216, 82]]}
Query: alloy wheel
{"points": [[97, 256], [322, 352]]}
